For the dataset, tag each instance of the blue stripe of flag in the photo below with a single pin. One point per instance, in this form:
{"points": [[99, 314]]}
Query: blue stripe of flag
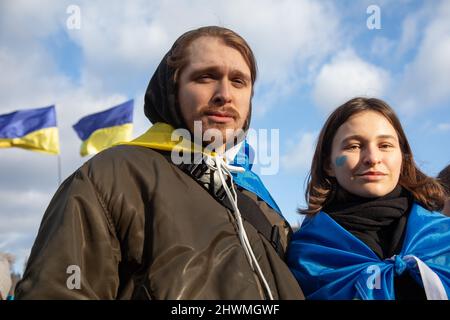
{"points": [[20, 123], [114, 116]]}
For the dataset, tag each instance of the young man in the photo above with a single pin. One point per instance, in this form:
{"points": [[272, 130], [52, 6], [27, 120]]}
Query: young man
{"points": [[134, 222]]}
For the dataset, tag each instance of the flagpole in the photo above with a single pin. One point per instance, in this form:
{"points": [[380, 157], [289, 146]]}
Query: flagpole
{"points": [[59, 169]]}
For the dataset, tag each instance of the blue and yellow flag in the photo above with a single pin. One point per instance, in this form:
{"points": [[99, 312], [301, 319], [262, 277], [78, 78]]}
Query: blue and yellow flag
{"points": [[101, 130], [33, 129]]}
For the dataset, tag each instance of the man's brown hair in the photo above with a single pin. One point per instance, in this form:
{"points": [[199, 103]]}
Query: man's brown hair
{"points": [[179, 54]]}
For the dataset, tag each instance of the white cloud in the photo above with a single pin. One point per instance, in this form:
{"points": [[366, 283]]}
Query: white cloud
{"points": [[24, 20], [409, 33], [286, 34], [443, 127], [290, 38], [428, 75], [347, 76], [301, 152], [30, 78], [411, 30]]}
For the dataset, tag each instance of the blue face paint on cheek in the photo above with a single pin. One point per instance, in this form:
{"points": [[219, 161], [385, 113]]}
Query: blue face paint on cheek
{"points": [[340, 161]]}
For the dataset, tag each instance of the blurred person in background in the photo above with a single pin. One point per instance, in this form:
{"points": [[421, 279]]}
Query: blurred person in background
{"points": [[6, 261], [444, 179]]}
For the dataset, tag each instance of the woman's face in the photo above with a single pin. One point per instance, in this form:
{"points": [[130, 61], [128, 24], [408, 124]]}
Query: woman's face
{"points": [[366, 158]]}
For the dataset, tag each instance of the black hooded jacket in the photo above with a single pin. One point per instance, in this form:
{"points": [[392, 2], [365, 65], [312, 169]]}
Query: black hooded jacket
{"points": [[131, 225]]}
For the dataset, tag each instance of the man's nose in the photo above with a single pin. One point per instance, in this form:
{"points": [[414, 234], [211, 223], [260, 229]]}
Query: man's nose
{"points": [[222, 94], [372, 156]]}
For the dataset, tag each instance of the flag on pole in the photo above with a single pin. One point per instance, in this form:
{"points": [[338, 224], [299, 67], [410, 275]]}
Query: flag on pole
{"points": [[32, 129], [101, 130]]}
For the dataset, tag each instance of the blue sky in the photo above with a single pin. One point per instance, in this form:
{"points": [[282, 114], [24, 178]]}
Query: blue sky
{"points": [[312, 56]]}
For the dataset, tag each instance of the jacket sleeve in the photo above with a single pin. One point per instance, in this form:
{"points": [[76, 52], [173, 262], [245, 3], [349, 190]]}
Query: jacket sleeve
{"points": [[76, 252]]}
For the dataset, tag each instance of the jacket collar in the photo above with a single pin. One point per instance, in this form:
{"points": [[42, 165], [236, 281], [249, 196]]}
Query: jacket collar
{"points": [[161, 136]]}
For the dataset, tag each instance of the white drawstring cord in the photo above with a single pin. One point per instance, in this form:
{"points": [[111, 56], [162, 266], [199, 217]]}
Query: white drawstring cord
{"points": [[227, 169]]}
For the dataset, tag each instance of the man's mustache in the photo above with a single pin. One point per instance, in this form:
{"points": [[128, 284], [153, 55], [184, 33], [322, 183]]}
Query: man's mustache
{"points": [[222, 111]]}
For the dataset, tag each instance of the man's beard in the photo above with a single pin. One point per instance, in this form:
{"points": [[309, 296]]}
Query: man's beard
{"points": [[220, 136]]}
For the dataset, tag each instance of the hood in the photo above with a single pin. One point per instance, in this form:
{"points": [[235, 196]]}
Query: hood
{"points": [[160, 102]]}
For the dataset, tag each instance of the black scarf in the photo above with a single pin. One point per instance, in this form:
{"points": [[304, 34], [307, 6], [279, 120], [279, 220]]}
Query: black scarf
{"points": [[161, 97], [378, 222]]}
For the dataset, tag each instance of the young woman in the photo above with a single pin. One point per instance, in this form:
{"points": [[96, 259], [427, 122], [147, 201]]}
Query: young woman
{"points": [[372, 230]]}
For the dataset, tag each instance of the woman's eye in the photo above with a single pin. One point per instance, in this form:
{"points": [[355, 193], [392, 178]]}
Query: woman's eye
{"points": [[386, 146], [352, 147]]}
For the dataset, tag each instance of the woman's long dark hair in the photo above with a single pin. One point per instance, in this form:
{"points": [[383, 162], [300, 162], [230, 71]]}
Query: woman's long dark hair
{"points": [[320, 185]]}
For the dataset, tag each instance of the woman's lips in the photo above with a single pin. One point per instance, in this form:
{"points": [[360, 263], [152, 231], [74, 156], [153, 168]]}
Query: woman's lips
{"points": [[372, 173], [371, 176]]}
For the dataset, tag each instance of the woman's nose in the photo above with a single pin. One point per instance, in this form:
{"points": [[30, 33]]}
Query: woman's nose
{"points": [[372, 156]]}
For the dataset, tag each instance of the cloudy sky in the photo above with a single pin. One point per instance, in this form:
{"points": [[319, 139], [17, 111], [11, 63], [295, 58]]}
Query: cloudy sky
{"points": [[312, 56]]}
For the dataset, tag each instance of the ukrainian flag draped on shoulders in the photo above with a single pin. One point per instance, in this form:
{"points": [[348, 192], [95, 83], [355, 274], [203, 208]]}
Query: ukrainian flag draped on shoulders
{"points": [[101, 130], [162, 136], [250, 180], [331, 263], [32, 129]]}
